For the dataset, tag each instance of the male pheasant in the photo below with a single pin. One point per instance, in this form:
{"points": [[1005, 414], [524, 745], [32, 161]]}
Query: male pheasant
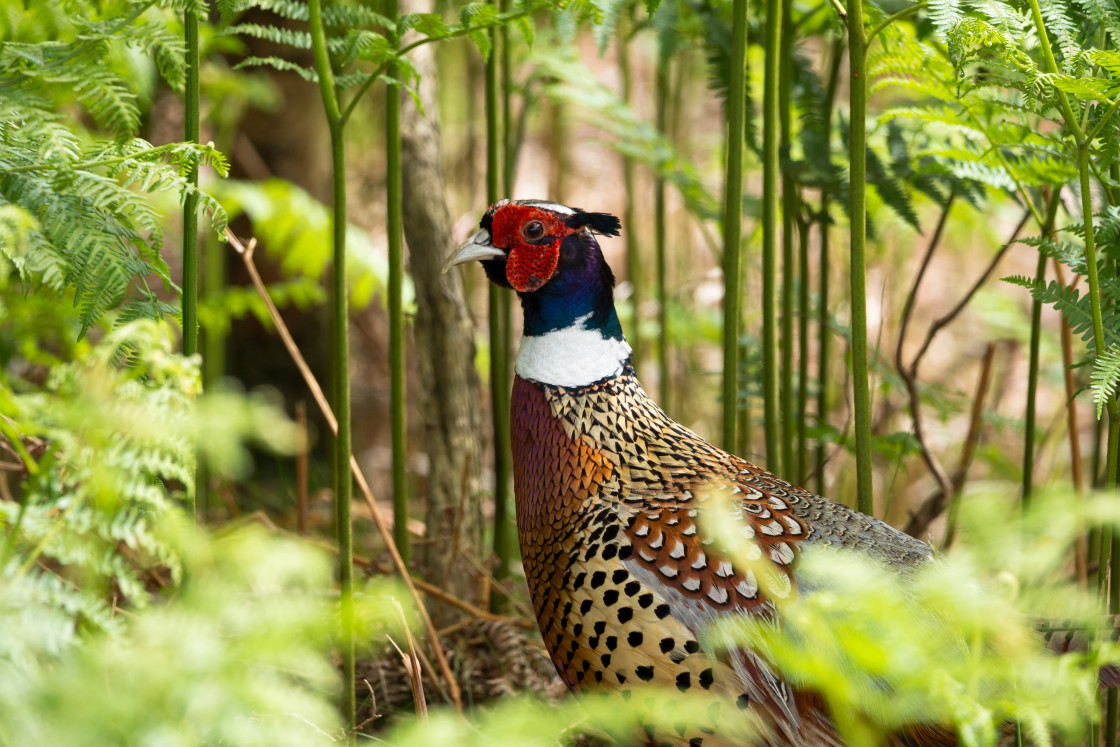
{"points": [[607, 487]]}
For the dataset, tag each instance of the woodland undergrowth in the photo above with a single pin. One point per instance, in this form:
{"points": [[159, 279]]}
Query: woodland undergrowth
{"points": [[238, 633]]}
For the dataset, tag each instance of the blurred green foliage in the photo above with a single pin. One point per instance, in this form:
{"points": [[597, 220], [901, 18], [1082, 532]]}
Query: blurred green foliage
{"points": [[959, 642], [123, 625]]}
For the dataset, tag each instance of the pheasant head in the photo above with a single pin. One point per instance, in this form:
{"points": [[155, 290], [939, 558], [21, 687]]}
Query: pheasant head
{"points": [[548, 254]]}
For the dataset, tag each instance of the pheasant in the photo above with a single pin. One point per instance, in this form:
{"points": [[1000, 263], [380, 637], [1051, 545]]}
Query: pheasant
{"points": [[608, 486]]}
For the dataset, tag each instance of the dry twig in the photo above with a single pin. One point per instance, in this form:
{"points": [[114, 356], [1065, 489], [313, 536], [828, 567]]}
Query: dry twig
{"points": [[935, 505], [970, 440], [412, 665], [246, 253]]}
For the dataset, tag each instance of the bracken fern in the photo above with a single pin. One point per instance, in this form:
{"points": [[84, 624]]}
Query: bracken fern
{"points": [[74, 204]]}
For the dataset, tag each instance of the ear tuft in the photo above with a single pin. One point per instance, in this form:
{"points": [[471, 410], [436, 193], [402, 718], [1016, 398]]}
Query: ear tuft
{"points": [[600, 223]]}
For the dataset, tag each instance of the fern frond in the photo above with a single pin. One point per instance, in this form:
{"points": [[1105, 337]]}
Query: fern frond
{"points": [[1074, 307], [167, 49], [606, 29], [1059, 24], [945, 14], [275, 34], [107, 97], [279, 63], [1105, 377], [293, 10], [1106, 14], [890, 190]]}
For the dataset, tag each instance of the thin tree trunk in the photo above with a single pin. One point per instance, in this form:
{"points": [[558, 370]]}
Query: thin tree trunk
{"points": [[450, 394]]}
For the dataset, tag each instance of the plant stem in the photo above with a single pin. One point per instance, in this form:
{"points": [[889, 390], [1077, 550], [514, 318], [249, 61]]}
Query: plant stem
{"points": [[340, 319], [1046, 228], [824, 343], [1074, 431], [803, 312], [509, 145], [1032, 388], [857, 210], [499, 334], [732, 223], [629, 223], [394, 229], [743, 427], [190, 227], [789, 267], [1052, 64], [770, 172], [246, 253], [1112, 707], [975, 423], [661, 85], [489, 26]]}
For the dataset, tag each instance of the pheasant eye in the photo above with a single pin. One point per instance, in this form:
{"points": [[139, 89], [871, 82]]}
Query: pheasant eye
{"points": [[533, 230]]}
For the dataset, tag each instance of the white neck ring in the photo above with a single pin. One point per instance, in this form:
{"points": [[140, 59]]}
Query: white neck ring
{"points": [[571, 357]]}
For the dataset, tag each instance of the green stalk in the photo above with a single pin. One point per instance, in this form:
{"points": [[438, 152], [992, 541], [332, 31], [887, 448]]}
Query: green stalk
{"points": [[824, 343], [732, 224], [1074, 130], [341, 355], [789, 268], [743, 429], [499, 334], [1113, 546], [1046, 229], [509, 156], [503, 534], [190, 228], [629, 223], [858, 212], [803, 355], [1091, 271], [1048, 56], [213, 349], [1113, 703], [395, 229], [1032, 387], [770, 105], [661, 84]]}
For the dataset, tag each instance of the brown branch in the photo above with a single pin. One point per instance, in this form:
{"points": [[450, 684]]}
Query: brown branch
{"points": [[945, 320], [975, 418], [970, 440], [246, 253], [434, 591], [910, 374], [934, 505], [373, 567]]}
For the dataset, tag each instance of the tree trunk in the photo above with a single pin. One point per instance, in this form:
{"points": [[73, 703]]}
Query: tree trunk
{"points": [[450, 399]]}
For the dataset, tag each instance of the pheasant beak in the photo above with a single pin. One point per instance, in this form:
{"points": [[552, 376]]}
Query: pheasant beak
{"points": [[474, 248]]}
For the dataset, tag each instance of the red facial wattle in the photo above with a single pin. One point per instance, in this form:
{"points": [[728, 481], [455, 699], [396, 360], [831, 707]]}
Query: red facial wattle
{"points": [[530, 263], [529, 267]]}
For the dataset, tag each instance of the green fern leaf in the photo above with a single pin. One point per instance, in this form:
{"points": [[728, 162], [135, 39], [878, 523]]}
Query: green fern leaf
{"points": [[945, 14], [278, 63], [606, 29], [890, 190], [1105, 377], [1063, 29]]}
